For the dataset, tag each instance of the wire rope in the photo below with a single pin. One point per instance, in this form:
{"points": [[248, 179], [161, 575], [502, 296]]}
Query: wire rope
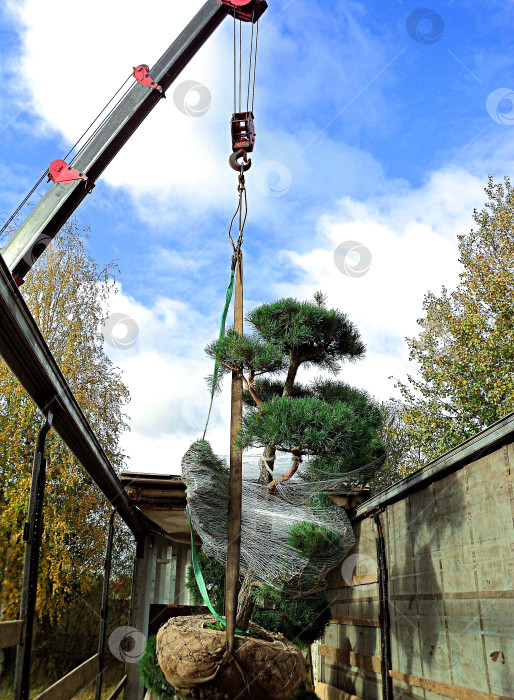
{"points": [[255, 63], [250, 64], [98, 116], [240, 60], [235, 69], [20, 207]]}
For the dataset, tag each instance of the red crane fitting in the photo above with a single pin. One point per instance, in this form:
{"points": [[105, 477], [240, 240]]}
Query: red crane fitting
{"points": [[243, 131], [62, 173], [142, 76], [247, 10]]}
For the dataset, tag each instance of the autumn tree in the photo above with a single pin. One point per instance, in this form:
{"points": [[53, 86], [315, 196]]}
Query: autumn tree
{"points": [[67, 294], [403, 456], [465, 348]]}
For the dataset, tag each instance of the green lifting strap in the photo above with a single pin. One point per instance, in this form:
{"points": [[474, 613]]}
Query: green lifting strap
{"points": [[228, 299], [201, 583]]}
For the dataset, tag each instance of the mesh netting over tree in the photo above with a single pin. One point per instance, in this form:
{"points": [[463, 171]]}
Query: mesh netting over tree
{"points": [[320, 529]]}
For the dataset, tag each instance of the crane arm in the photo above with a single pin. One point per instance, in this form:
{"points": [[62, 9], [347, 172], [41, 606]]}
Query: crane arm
{"points": [[53, 210]]}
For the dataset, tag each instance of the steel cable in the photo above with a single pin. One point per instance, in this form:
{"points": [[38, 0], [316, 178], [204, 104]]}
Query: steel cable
{"points": [[98, 116], [255, 63], [38, 183]]}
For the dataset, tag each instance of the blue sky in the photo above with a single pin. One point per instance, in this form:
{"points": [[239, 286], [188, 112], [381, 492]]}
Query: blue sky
{"points": [[376, 124]]}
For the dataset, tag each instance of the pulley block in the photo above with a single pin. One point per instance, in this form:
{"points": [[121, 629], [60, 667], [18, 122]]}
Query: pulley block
{"points": [[143, 77], [62, 173], [242, 128]]}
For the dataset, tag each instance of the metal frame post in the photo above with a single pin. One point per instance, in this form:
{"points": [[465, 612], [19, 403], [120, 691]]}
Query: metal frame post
{"points": [[384, 620], [141, 597], [32, 536], [104, 612]]}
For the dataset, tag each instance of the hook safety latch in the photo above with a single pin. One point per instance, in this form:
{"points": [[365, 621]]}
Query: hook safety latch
{"points": [[242, 166]]}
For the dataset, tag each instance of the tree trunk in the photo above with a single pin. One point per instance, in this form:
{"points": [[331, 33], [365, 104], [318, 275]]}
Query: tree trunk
{"points": [[297, 458], [245, 602], [267, 461], [291, 376]]}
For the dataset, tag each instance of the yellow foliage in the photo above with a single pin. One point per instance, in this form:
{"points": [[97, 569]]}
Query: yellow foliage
{"points": [[67, 295], [466, 345]]}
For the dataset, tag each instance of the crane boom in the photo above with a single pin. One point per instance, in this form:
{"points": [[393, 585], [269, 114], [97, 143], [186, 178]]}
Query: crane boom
{"points": [[53, 210]]}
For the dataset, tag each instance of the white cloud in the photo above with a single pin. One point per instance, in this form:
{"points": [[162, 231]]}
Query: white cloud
{"points": [[177, 164], [165, 371], [412, 238]]}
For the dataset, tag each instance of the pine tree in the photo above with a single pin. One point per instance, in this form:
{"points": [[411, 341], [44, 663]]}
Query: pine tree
{"points": [[332, 424], [403, 456], [300, 333]]}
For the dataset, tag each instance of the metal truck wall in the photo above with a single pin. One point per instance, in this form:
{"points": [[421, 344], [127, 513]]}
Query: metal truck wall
{"points": [[449, 563]]}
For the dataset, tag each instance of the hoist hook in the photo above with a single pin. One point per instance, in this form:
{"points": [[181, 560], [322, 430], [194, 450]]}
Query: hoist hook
{"points": [[234, 161]]}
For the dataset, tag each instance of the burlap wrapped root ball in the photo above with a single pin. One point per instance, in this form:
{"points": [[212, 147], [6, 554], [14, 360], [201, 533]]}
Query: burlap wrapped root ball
{"points": [[272, 666]]}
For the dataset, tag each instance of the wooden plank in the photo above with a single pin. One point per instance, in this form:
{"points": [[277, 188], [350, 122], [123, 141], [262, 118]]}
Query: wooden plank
{"points": [[10, 633], [360, 580], [236, 471], [459, 595], [115, 693], [445, 689], [349, 620], [362, 640], [351, 658], [329, 692], [66, 687]]}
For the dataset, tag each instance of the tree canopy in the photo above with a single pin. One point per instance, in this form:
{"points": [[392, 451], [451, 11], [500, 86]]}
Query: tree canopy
{"points": [[308, 334], [465, 348], [67, 293], [328, 426]]}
